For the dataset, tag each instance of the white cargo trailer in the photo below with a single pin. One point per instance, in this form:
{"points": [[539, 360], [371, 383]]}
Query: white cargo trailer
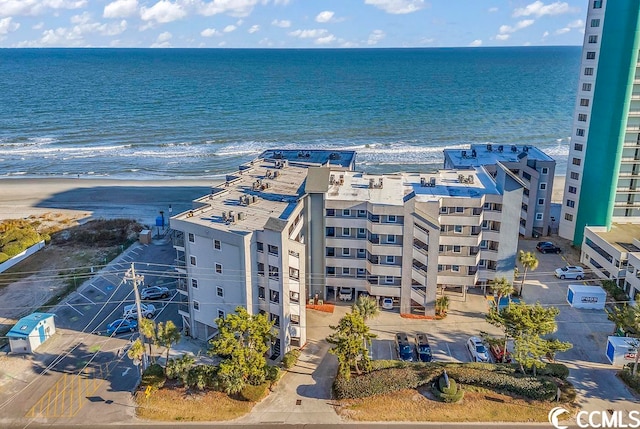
{"points": [[589, 297], [621, 350]]}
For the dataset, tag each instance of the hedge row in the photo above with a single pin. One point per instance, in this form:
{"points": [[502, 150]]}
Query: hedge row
{"points": [[632, 381]]}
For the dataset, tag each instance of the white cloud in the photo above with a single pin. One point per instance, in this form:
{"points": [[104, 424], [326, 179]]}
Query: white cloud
{"points": [[476, 42], [309, 34], [502, 36], [281, 23], [37, 7], [397, 7], [325, 40], [545, 34], [238, 8], [324, 16], [563, 30], [7, 25], [265, 42], [120, 9], [578, 23], [538, 9], [209, 32], [229, 28], [491, 10], [163, 40], [38, 26], [253, 29], [162, 12], [375, 36], [163, 37], [505, 29]]}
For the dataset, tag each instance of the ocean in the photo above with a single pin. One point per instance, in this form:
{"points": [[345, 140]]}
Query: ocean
{"points": [[198, 113]]}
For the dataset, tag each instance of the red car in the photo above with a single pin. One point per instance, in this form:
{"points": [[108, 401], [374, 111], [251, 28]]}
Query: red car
{"points": [[498, 354]]}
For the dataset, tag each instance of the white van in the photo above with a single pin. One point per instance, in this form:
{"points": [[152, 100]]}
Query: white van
{"points": [[131, 311], [346, 294]]}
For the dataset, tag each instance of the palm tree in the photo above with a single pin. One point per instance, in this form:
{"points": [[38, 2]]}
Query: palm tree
{"points": [[442, 304], [367, 307], [528, 261], [168, 335], [501, 287], [136, 353], [148, 330]]}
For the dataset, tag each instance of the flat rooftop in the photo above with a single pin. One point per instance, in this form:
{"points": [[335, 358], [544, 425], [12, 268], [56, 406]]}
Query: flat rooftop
{"points": [[620, 236], [337, 158], [484, 154], [395, 189]]}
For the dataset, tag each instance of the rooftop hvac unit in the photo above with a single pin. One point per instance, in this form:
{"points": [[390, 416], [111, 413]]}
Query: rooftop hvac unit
{"points": [[276, 174], [432, 182], [461, 178], [380, 183], [514, 148], [489, 147], [240, 215], [224, 216], [464, 153], [254, 199], [267, 174], [473, 153], [332, 179], [423, 182], [470, 178], [372, 183], [500, 148]]}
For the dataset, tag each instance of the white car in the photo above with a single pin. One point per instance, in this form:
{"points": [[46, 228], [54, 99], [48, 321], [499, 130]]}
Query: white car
{"points": [[131, 311], [570, 272], [479, 352], [387, 303]]}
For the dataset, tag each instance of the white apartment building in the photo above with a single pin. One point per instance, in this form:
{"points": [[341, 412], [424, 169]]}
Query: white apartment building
{"points": [[535, 168], [632, 279]]}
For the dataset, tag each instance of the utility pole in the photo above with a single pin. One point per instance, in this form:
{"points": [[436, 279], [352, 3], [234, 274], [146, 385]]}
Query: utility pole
{"points": [[131, 275]]}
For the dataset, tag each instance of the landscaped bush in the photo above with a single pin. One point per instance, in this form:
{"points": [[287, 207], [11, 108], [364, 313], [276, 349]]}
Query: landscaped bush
{"points": [[377, 382], [153, 376], [618, 294], [554, 370], [290, 358], [630, 380], [272, 373], [451, 394], [254, 393], [384, 364], [201, 376], [180, 367]]}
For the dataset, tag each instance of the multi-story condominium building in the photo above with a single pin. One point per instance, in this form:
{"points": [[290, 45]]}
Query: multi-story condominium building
{"points": [[292, 225], [632, 278], [535, 168], [603, 173], [243, 245]]}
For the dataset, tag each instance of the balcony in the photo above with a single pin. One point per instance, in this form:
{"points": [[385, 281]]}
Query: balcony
{"points": [[421, 246], [178, 239], [419, 267]]}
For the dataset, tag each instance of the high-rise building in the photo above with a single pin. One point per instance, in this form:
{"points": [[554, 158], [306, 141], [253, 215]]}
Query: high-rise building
{"points": [[603, 170]]}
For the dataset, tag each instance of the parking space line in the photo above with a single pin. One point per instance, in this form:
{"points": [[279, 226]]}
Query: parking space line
{"points": [[96, 287], [75, 309], [86, 298]]}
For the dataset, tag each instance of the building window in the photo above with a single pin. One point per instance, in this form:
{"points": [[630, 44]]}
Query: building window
{"points": [[192, 238], [362, 232], [538, 216], [388, 279], [274, 272], [221, 314], [591, 55], [346, 251], [576, 161], [261, 292], [584, 102], [593, 39], [569, 217], [582, 117], [361, 272], [346, 212], [362, 253], [597, 4], [580, 132], [194, 283], [391, 259], [196, 305], [274, 296], [294, 296], [220, 292], [457, 249], [543, 186], [588, 71], [444, 210], [391, 239], [331, 271], [346, 232], [331, 231], [578, 147], [217, 245], [260, 246], [192, 260], [273, 249], [455, 268], [586, 87], [541, 201], [346, 271], [459, 209], [457, 229], [391, 219], [545, 170], [331, 251], [485, 224], [218, 268], [275, 319], [571, 203], [575, 176], [572, 189], [294, 273], [595, 22], [362, 213], [260, 269], [331, 212]]}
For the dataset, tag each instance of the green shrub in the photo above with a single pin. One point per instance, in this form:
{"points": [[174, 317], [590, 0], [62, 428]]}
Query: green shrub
{"points": [[272, 373], [630, 380], [201, 376], [290, 358], [554, 370], [451, 394], [180, 367], [3, 257], [384, 364], [254, 393], [153, 376], [377, 382]]}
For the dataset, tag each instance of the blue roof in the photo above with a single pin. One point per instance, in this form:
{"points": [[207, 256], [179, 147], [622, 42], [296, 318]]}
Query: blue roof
{"points": [[27, 324]]}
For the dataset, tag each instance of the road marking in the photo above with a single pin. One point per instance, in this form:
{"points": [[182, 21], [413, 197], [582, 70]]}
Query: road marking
{"points": [[126, 371], [448, 350], [86, 298], [95, 287], [81, 314]]}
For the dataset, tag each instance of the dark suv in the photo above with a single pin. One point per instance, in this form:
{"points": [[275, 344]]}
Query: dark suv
{"points": [[405, 350], [547, 247], [423, 348]]}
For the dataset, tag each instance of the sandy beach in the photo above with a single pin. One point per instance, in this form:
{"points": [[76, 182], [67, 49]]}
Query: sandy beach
{"points": [[141, 200]]}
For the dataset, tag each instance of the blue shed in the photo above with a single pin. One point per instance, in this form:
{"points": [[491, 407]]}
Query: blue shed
{"points": [[30, 332]]}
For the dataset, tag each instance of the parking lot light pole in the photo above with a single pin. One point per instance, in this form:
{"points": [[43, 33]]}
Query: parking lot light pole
{"points": [[131, 275]]}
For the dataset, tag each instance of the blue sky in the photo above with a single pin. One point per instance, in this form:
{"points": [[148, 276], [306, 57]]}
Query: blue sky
{"points": [[290, 23]]}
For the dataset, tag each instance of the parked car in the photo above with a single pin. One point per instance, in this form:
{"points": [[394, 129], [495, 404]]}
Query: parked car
{"points": [[131, 311], [499, 353], [478, 351], [387, 303], [405, 350], [547, 247], [120, 326], [346, 294], [423, 348], [570, 272], [154, 292]]}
